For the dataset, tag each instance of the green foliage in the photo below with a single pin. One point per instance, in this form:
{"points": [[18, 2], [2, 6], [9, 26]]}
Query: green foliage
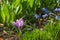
{"points": [[10, 10], [5, 13], [48, 33]]}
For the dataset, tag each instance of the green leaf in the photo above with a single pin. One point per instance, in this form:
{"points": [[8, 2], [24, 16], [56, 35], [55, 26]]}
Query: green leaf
{"points": [[3, 16], [16, 3], [12, 16], [5, 13], [31, 2]]}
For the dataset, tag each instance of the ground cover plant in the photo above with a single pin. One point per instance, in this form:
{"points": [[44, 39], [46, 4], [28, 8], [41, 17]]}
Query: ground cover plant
{"points": [[30, 19]]}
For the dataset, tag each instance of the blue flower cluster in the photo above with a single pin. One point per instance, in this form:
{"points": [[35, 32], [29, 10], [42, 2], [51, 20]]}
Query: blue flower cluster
{"points": [[45, 10], [47, 13], [55, 11]]}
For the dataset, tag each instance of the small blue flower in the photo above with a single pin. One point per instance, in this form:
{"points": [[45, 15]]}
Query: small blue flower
{"points": [[44, 16], [45, 10], [37, 16], [57, 17], [56, 10], [58, 1]]}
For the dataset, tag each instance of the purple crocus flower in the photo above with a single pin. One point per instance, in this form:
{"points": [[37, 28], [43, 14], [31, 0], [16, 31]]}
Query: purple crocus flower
{"points": [[44, 16], [57, 10], [19, 23], [37, 16]]}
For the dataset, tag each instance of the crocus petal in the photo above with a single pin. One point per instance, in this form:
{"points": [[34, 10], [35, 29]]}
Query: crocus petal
{"points": [[21, 22], [17, 20], [16, 24]]}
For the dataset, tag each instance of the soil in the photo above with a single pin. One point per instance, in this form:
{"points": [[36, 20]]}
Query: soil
{"points": [[4, 35], [8, 37]]}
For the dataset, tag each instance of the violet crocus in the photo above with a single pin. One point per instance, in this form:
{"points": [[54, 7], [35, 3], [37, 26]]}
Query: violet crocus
{"points": [[19, 23]]}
